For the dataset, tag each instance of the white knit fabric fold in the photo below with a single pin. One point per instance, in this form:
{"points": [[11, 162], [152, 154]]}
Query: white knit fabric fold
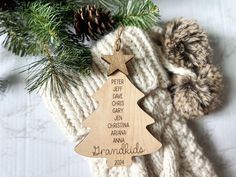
{"points": [[180, 156]]}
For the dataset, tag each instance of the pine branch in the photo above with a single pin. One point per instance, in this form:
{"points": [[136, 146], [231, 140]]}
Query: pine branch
{"points": [[56, 73], [32, 25], [74, 57], [40, 29], [45, 22], [18, 38], [142, 13], [48, 75], [64, 54]]}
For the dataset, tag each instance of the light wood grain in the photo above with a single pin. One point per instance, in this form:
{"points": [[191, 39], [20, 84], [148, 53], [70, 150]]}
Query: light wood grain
{"points": [[118, 125], [30, 140], [117, 61]]}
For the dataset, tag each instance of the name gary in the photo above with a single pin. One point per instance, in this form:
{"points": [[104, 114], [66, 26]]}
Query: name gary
{"points": [[117, 110]]}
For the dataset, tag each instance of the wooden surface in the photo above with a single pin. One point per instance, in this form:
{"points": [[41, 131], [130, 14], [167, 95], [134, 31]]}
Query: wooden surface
{"points": [[118, 123], [117, 61], [32, 146]]}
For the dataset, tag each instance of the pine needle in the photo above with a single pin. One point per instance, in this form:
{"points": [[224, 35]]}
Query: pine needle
{"points": [[42, 28], [139, 13]]}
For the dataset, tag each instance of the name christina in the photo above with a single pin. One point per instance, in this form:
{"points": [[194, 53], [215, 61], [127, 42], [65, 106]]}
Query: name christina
{"points": [[124, 149]]}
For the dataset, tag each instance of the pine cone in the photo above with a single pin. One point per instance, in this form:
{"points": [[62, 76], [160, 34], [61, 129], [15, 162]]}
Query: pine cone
{"points": [[195, 97], [186, 44], [90, 22]]}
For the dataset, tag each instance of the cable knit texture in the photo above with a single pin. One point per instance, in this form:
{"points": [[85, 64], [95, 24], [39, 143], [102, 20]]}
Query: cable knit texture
{"points": [[180, 156]]}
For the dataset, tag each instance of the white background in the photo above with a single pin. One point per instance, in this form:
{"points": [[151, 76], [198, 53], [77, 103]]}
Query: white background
{"points": [[31, 145]]}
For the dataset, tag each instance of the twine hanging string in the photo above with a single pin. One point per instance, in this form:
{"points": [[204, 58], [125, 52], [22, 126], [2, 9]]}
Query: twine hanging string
{"points": [[117, 46]]}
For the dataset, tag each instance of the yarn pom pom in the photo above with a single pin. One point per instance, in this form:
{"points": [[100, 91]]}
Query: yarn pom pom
{"points": [[195, 97], [185, 44]]}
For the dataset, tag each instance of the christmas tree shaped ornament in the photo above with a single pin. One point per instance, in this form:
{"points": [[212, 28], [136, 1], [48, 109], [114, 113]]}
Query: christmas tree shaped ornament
{"points": [[180, 155], [118, 126]]}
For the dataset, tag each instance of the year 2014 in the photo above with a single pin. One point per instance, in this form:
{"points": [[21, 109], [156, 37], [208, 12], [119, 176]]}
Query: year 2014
{"points": [[119, 162]]}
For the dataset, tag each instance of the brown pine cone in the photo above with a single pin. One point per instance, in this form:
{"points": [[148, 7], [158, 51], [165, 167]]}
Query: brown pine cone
{"points": [[90, 22], [185, 44], [194, 98]]}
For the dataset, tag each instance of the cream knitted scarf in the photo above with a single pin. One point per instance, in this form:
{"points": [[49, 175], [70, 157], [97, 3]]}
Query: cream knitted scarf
{"points": [[180, 155]]}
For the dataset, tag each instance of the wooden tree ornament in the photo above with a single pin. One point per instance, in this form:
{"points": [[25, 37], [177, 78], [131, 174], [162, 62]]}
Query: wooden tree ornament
{"points": [[118, 127]]}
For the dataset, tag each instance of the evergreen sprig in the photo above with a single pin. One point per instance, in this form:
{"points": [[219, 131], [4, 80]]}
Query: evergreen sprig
{"points": [[64, 54], [39, 29], [50, 74], [45, 22], [43, 28], [18, 39], [142, 13]]}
